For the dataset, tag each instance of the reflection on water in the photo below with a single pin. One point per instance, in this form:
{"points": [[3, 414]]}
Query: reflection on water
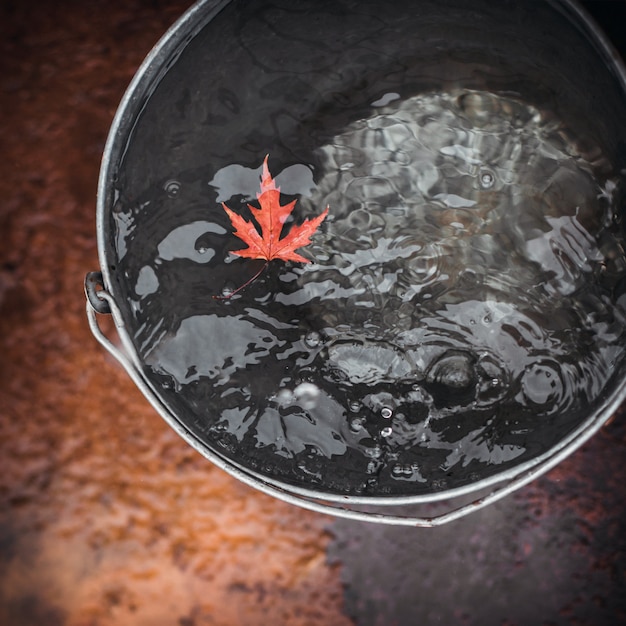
{"points": [[459, 311]]}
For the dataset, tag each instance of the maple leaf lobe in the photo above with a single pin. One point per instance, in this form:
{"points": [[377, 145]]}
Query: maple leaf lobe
{"points": [[271, 216]]}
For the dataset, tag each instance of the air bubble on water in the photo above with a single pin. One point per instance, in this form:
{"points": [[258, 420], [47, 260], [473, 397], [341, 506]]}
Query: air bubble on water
{"points": [[202, 250], [356, 424], [486, 179], [307, 395], [354, 406], [404, 470], [374, 452], [386, 412], [542, 385], [227, 290], [453, 372], [312, 339], [372, 468], [172, 187], [284, 396], [386, 432]]}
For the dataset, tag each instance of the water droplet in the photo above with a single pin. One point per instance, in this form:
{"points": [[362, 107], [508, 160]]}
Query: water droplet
{"points": [[313, 339], [486, 179], [386, 412], [172, 187], [202, 250], [386, 432]]}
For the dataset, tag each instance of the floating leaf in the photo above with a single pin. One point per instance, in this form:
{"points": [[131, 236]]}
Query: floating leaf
{"points": [[271, 216]]}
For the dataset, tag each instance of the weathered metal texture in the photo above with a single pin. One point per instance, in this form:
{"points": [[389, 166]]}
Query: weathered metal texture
{"points": [[106, 516]]}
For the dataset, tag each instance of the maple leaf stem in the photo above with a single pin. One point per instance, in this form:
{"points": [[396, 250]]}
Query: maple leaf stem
{"points": [[232, 293]]}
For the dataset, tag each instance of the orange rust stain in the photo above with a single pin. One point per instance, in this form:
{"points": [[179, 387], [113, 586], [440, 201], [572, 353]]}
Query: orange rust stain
{"points": [[106, 516]]}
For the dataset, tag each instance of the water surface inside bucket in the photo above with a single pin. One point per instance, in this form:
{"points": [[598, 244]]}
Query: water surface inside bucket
{"points": [[464, 308]]}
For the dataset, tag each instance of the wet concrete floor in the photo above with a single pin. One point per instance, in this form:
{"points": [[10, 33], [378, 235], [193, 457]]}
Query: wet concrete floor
{"points": [[108, 518]]}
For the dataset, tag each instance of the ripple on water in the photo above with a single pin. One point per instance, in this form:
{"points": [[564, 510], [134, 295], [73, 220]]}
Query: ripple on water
{"points": [[451, 318]]}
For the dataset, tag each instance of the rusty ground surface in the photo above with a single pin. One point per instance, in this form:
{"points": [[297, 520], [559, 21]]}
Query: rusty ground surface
{"points": [[108, 518]]}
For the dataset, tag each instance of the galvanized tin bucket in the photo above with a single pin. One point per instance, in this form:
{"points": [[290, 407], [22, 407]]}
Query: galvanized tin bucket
{"points": [[196, 108]]}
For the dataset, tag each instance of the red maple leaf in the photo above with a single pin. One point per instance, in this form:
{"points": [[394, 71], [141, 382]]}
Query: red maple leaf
{"points": [[271, 217]]}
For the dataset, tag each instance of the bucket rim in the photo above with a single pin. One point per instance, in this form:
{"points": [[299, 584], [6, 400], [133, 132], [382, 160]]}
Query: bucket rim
{"points": [[153, 66]]}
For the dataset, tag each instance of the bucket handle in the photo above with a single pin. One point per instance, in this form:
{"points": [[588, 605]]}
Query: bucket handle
{"points": [[100, 301]]}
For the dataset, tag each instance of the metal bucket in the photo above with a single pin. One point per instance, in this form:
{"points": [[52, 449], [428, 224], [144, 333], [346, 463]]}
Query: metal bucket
{"points": [[308, 81]]}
